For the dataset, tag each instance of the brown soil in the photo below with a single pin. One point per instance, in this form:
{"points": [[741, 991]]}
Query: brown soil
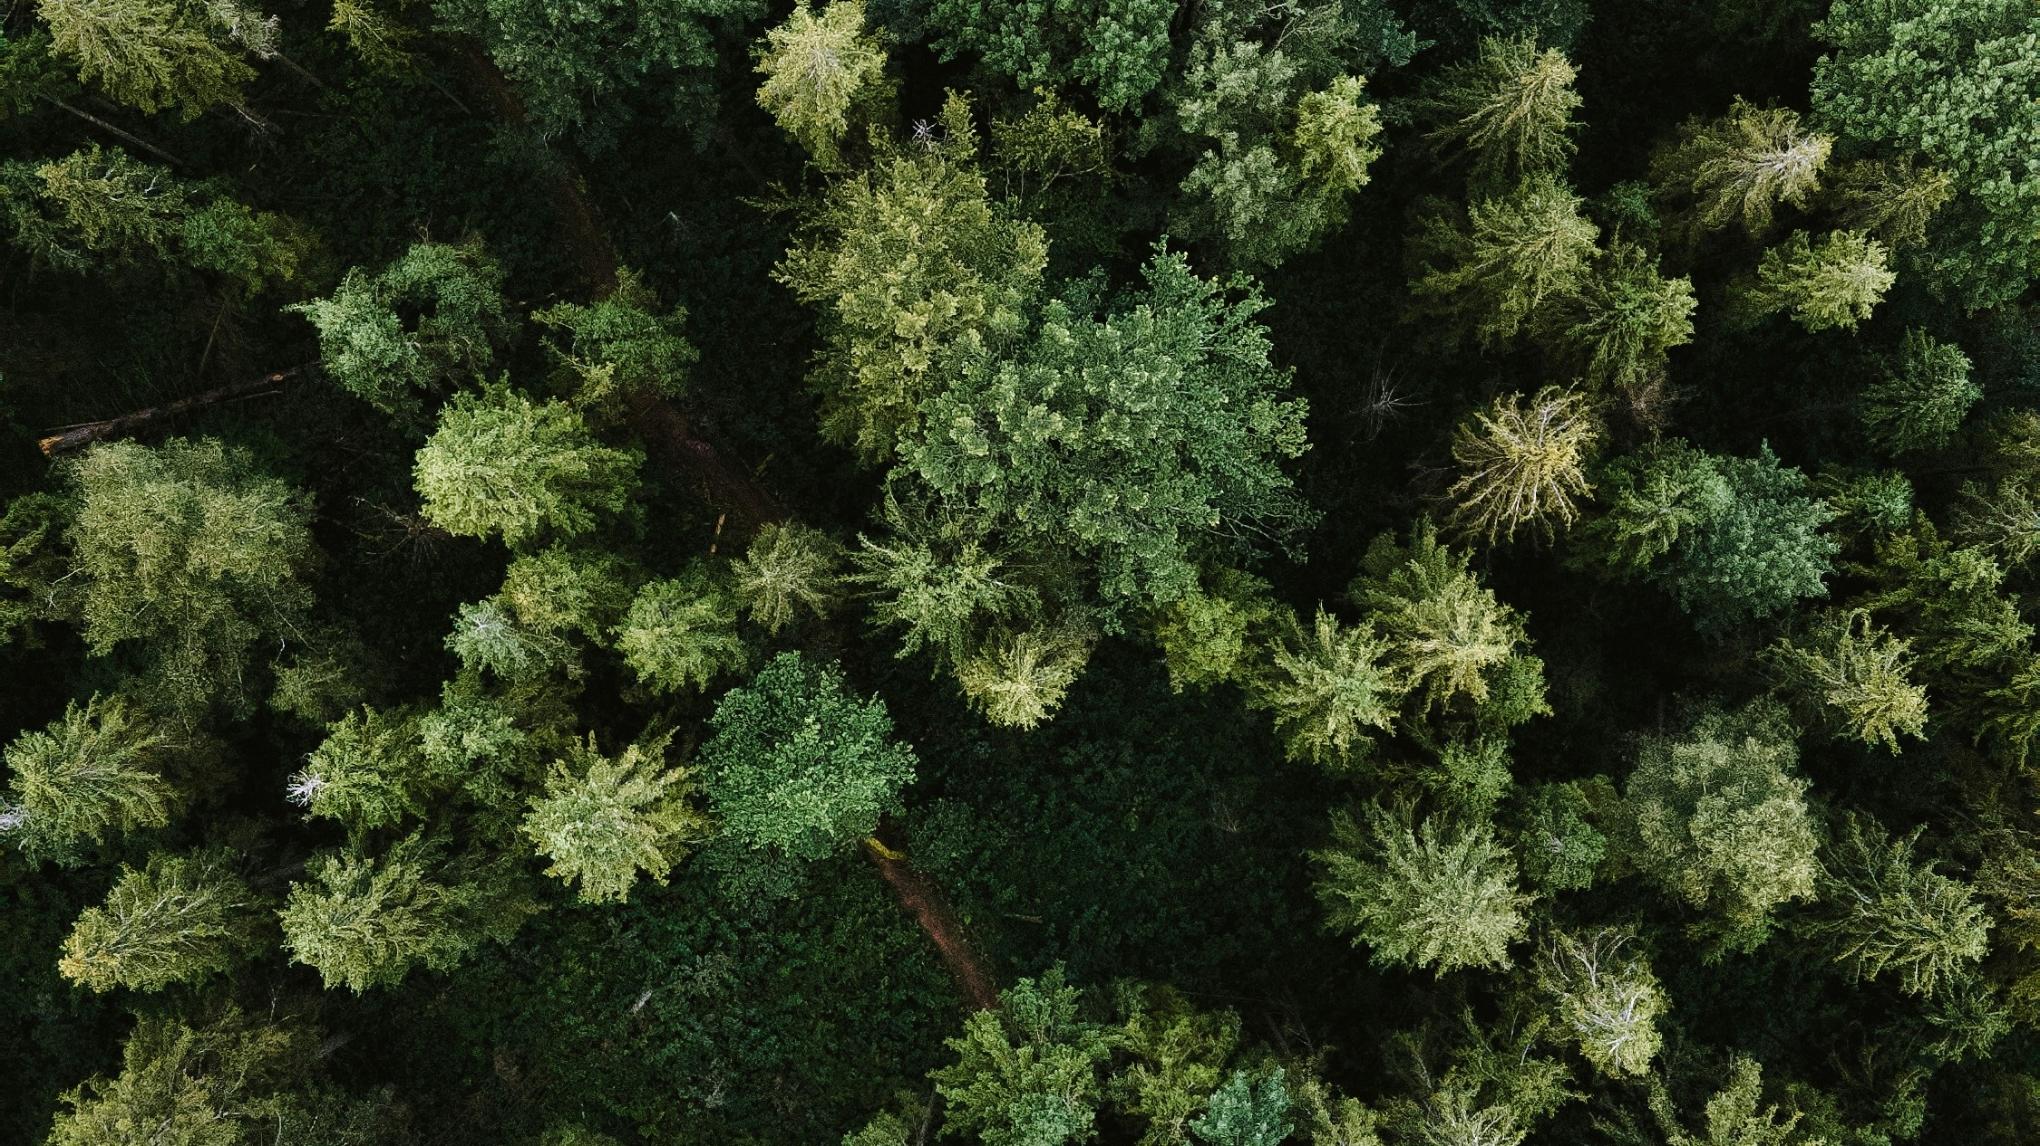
{"points": [[925, 902]]}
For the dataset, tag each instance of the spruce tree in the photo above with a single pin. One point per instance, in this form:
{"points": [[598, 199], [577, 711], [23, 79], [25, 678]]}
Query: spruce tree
{"points": [[93, 773], [1521, 465], [499, 463], [601, 822], [179, 919], [1421, 892]]}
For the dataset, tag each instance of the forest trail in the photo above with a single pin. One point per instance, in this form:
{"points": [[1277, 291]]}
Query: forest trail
{"points": [[926, 903]]}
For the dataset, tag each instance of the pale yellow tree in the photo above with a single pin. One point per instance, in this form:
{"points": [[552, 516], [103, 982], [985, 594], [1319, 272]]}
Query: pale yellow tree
{"points": [[816, 67], [1522, 464]]}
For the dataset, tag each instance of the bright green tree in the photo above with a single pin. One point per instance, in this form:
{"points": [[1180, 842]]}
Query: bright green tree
{"points": [[1919, 402], [604, 821], [1522, 464], [1620, 320], [1129, 437], [95, 772], [788, 569], [1882, 912], [190, 555], [1174, 1058], [1513, 255], [1331, 690], [215, 1084], [1218, 634], [940, 580], [619, 348], [368, 773], [1510, 108], [1026, 1074], [908, 261], [1421, 893], [499, 463], [1858, 676], [160, 54], [1834, 284], [1448, 635], [681, 633], [418, 328], [798, 763], [1017, 678], [1717, 817], [365, 921], [816, 68], [1953, 81], [179, 919], [1739, 169], [1607, 1000]]}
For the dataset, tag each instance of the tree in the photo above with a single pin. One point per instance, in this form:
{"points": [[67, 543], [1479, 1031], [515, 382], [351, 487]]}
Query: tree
{"points": [[1739, 169], [787, 569], [94, 772], [1892, 199], [908, 260], [1833, 285], [190, 555], [1447, 634], [159, 54], [1248, 1110], [1716, 817], [681, 633], [1026, 1074], [603, 821], [1919, 404], [1734, 1116], [800, 765], [1017, 678], [1733, 539], [1174, 1059], [1117, 48], [1217, 634], [419, 327], [941, 580], [179, 919], [1606, 998], [1512, 256], [1560, 847], [1330, 689], [1881, 911], [1128, 438], [1421, 893], [366, 772], [1510, 108], [816, 69], [1858, 676], [620, 348], [365, 921], [215, 1084], [500, 463], [1950, 81], [1620, 320], [1520, 467]]}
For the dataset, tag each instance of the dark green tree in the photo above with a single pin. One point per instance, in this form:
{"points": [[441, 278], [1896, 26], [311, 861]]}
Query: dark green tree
{"points": [[1028, 1073]]}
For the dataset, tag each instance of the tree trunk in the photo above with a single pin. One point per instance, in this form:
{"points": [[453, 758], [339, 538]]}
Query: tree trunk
{"points": [[925, 902], [85, 433]]}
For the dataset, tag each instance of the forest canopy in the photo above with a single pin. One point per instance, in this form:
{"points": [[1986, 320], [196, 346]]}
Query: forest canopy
{"points": [[1123, 572]]}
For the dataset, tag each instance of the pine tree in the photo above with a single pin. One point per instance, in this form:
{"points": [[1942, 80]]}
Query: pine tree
{"points": [[1739, 169], [799, 764], [816, 69], [1510, 108], [367, 773], [499, 463], [1421, 893], [179, 919], [1621, 319], [1026, 1074], [191, 556], [1919, 403], [95, 772], [159, 54], [1835, 284], [1447, 634], [1859, 677], [365, 921], [1521, 466], [1330, 690], [1880, 911], [216, 1084], [788, 569], [421, 326], [1017, 678], [681, 633], [1248, 1110], [1512, 256], [1717, 818], [908, 261], [1607, 1000], [603, 821]]}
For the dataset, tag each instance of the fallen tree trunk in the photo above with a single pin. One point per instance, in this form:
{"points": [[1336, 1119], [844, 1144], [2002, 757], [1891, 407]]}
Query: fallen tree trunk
{"points": [[85, 433], [931, 911]]}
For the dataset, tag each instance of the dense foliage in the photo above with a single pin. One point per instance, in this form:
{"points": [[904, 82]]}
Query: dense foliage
{"points": [[1027, 572]]}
